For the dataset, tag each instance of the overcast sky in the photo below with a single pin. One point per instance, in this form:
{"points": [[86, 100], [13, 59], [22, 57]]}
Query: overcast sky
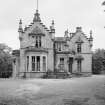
{"points": [[67, 14]]}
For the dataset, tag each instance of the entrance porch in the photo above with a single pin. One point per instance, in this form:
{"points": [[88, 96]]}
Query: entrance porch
{"points": [[64, 63]]}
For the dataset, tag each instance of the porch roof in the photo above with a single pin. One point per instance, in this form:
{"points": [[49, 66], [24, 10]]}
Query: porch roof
{"points": [[60, 39]]}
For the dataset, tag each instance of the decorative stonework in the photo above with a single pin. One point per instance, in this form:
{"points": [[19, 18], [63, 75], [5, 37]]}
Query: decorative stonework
{"points": [[79, 40], [36, 31]]}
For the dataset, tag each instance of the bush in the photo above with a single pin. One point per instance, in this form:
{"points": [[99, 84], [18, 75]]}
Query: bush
{"points": [[98, 61]]}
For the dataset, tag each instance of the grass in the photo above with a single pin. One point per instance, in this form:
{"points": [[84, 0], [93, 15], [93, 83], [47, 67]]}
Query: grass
{"points": [[73, 91]]}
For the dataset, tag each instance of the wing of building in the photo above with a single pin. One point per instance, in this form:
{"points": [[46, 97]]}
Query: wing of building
{"points": [[40, 51]]}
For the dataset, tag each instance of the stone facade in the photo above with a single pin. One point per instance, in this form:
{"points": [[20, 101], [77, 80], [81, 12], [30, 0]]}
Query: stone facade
{"points": [[40, 51]]}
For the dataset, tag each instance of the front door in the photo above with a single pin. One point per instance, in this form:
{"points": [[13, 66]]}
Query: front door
{"points": [[70, 64]]}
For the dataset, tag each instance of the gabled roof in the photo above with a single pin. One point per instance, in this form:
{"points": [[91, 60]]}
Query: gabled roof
{"points": [[38, 20], [78, 29]]}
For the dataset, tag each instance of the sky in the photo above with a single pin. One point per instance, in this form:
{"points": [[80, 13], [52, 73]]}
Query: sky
{"points": [[67, 14]]}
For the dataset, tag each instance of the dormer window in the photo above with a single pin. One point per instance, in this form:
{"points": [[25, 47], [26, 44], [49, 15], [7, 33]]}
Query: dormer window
{"points": [[58, 46], [79, 43], [79, 48]]}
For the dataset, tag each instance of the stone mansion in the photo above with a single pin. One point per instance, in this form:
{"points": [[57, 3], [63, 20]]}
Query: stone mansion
{"points": [[41, 51]]}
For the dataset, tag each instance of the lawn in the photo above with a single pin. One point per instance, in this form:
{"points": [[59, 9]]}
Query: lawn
{"points": [[73, 91]]}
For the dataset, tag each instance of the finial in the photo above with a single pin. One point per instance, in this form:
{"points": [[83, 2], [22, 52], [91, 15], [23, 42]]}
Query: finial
{"points": [[36, 17], [78, 29], [52, 25], [91, 38], [52, 28], [20, 22], [52, 22], [25, 28], [66, 33], [20, 29], [67, 30], [90, 32]]}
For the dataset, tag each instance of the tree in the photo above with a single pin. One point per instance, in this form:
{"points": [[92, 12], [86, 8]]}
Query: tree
{"points": [[5, 61], [98, 61], [103, 3]]}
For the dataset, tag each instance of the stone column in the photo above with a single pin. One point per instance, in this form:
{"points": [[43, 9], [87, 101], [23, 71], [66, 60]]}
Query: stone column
{"points": [[35, 63], [41, 63], [46, 63], [30, 63], [22, 61], [14, 69]]}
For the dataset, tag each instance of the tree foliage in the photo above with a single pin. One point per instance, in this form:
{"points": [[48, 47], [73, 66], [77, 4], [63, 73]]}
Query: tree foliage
{"points": [[5, 61], [98, 61], [103, 3]]}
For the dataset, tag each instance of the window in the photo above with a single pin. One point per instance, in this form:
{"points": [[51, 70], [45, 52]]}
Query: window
{"points": [[44, 63], [27, 63], [14, 61], [33, 63], [38, 63], [61, 61], [56, 46], [38, 42], [59, 48], [79, 65], [61, 64], [79, 48]]}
